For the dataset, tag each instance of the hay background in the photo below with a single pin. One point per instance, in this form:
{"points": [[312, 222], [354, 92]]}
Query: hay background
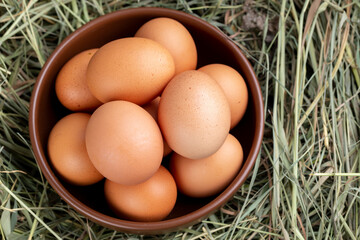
{"points": [[305, 184]]}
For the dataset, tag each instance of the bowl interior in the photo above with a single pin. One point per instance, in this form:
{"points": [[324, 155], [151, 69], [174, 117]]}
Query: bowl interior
{"points": [[212, 46]]}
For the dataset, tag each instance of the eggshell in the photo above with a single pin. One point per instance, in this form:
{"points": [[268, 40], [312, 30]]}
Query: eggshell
{"points": [[71, 87], [194, 115], [234, 87], [152, 108], [208, 176], [131, 69], [67, 151], [151, 200], [175, 38], [124, 142]]}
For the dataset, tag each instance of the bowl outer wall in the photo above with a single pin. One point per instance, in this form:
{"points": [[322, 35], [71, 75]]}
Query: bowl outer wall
{"points": [[129, 226]]}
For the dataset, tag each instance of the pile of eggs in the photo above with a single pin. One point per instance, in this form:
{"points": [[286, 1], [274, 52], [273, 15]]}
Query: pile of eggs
{"points": [[138, 99]]}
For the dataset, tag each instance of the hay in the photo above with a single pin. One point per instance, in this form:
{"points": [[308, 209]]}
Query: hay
{"points": [[305, 184]]}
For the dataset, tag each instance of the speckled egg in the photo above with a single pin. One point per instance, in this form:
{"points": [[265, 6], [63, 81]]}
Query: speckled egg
{"points": [[175, 38], [194, 115], [67, 151], [130, 69], [124, 142]]}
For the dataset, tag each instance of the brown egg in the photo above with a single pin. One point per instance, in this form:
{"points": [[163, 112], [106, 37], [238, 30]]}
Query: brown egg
{"points": [[67, 151], [152, 108], [175, 38], [208, 176], [194, 115], [131, 69], [151, 200], [70, 86], [124, 142], [234, 87]]}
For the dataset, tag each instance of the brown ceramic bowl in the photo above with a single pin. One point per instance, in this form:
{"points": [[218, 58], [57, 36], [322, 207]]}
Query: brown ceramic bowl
{"points": [[45, 110]]}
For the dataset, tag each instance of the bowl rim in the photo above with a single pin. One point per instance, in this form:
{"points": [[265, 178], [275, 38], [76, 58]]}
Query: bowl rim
{"points": [[164, 225]]}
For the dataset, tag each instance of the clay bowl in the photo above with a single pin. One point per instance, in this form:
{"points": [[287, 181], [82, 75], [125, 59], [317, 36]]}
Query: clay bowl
{"points": [[45, 110]]}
